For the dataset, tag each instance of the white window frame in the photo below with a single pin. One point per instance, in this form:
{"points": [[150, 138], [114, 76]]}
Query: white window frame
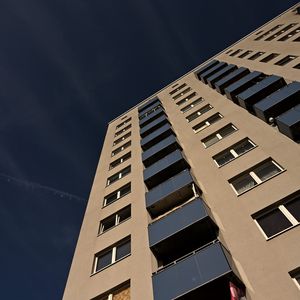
{"points": [[177, 96], [122, 130], [192, 105], [121, 139], [119, 175], [207, 123], [199, 112], [123, 123], [294, 278], [118, 194], [177, 89], [187, 98], [122, 148], [120, 160]]}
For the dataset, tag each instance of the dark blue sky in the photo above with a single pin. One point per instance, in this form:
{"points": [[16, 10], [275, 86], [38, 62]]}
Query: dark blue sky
{"points": [[67, 67]]}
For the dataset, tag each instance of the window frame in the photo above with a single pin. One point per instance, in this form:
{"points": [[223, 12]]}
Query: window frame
{"points": [[198, 113], [123, 123], [119, 175], [286, 60], [118, 193], [207, 122], [122, 138], [192, 105], [295, 275], [121, 160], [123, 130], [269, 57], [120, 149], [177, 89], [183, 92], [187, 98]]}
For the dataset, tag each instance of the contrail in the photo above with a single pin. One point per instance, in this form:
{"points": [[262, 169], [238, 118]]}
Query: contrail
{"points": [[35, 185]]}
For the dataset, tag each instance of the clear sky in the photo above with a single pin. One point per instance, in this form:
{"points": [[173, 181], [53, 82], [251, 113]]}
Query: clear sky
{"points": [[67, 67]]}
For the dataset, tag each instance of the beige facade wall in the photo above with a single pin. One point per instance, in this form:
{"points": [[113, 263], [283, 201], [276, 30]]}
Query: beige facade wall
{"points": [[263, 265]]}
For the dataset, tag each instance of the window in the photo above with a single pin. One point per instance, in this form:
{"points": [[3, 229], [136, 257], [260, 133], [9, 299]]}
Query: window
{"points": [[149, 112], [122, 130], [112, 255], [279, 218], [259, 32], [182, 93], [245, 53], [116, 195], [177, 89], [187, 98], [297, 39], [121, 148], [286, 28], [199, 112], [295, 274], [233, 152], [255, 176], [120, 292], [123, 123], [285, 60], [228, 51], [269, 57], [121, 139], [268, 32], [118, 175], [297, 66], [289, 35], [209, 121], [256, 55], [193, 104], [115, 219], [219, 135], [119, 160], [235, 52]]}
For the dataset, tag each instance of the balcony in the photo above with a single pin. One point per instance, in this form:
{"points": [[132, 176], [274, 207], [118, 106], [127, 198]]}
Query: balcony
{"points": [[154, 125], [160, 150], [206, 67], [145, 106], [151, 107], [203, 77], [156, 136], [150, 118], [177, 228], [220, 74], [203, 274], [170, 193], [165, 168], [236, 75], [241, 85], [289, 123], [259, 91], [278, 102]]}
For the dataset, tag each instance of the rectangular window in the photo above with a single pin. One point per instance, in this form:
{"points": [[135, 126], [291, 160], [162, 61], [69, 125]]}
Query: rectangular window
{"points": [[209, 121], [115, 219], [245, 54], [121, 148], [182, 93], [268, 32], [295, 275], [119, 160], [178, 89], [286, 60], [116, 195], [112, 255], [187, 98], [254, 176], [120, 292], [121, 139], [286, 28], [118, 175], [199, 112], [219, 135], [279, 218], [269, 57], [149, 112], [123, 123], [289, 35], [297, 66], [122, 130], [256, 55], [235, 52], [233, 152], [193, 104]]}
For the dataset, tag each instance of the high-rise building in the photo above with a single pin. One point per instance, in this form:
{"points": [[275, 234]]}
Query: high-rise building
{"points": [[197, 192]]}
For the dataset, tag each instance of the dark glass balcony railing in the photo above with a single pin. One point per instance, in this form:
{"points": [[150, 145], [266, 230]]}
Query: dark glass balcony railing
{"points": [[156, 136], [289, 123], [176, 228], [160, 150], [236, 75], [144, 107], [151, 107], [241, 85], [278, 102], [206, 67], [259, 91], [154, 125], [150, 118], [203, 77], [220, 74], [164, 169], [170, 193], [203, 274]]}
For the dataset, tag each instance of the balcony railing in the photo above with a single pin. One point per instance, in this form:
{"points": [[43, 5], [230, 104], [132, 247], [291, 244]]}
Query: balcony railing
{"points": [[203, 77], [151, 117], [220, 74], [153, 125]]}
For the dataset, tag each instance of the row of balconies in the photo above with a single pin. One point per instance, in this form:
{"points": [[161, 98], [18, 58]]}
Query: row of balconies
{"points": [[182, 230], [268, 97]]}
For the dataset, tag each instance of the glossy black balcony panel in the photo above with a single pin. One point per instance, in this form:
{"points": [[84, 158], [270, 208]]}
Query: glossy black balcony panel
{"points": [[289, 123], [229, 79], [278, 102], [241, 85], [150, 118], [190, 220], [220, 74], [170, 193], [259, 91], [206, 67], [160, 150], [164, 169], [205, 274], [205, 75], [145, 106], [153, 125], [151, 107]]}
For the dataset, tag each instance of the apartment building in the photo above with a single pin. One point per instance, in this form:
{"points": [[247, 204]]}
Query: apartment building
{"points": [[197, 191]]}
